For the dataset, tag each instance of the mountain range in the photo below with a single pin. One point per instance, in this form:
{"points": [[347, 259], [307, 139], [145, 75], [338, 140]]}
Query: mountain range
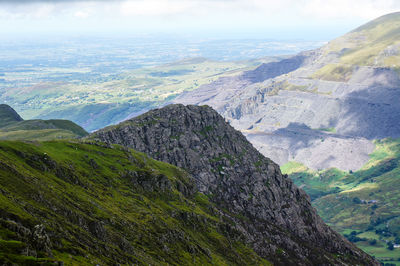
{"points": [[322, 108]]}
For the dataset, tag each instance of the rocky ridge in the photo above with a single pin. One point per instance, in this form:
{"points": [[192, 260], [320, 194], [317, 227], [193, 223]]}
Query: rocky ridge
{"points": [[275, 216]]}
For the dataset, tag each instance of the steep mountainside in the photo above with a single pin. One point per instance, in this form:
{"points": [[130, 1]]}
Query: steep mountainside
{"points": [[323, 110], [275, 216], [13, 127], [86, 203]]}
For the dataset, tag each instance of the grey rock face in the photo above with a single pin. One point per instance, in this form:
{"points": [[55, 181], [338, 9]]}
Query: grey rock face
{"points": [[359, 106], [40, 239], [275, 216]]}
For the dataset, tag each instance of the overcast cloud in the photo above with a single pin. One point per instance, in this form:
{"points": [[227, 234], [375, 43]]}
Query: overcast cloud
{"points": [[176, 15]]}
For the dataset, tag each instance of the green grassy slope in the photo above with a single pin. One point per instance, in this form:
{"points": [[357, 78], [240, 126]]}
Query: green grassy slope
{"points": [[13, 127], [46, 124], [37, 135], [373, 44], [370, 40], [366, 201], [89, 203]]}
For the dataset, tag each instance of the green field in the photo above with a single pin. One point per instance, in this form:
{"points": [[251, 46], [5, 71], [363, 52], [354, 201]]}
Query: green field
{"points": [[113, 98], [366, 201]]}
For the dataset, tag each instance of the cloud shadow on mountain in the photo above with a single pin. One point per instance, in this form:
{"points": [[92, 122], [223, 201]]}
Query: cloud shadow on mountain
{"points": [[372, 113]]}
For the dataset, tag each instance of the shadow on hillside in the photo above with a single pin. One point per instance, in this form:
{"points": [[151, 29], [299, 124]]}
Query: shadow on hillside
{"points": [[298, 135], [372, 113], [273, 69]]}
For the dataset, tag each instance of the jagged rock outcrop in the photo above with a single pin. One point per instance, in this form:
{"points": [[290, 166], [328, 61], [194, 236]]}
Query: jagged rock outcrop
{"points": [[275, 216]]}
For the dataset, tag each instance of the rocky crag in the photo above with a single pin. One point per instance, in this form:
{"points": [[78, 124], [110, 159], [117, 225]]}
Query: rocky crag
{"points": [[274, 215]]}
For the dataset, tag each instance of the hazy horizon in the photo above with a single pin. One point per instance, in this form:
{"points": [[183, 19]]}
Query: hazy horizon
{"points": [[221, 19]]}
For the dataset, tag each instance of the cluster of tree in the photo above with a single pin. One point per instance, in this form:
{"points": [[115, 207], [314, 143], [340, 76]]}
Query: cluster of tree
{"points": [[357, 200], [390, 264], [390, 245], [383, 232], [378, 221], [352, 237]]}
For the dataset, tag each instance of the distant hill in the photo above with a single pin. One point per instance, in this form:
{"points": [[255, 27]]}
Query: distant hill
{"points": [[374, 44], [8, 115], [13, 127]]}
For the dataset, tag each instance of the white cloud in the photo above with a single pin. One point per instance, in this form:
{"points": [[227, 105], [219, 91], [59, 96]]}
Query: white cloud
{"points": [[155, 7], [33, 11], [81, 14], [338, 9], [327, 9], [43, 11], [205, 14]]}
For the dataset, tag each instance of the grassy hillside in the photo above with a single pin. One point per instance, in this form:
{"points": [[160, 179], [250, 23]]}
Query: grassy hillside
{"points": [[13, 127], [366, 201], [37, 135], [89, 203], [28, 125], [375, 44]]}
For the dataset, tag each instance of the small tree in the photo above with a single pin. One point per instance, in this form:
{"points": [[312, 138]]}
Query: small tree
{"points": [[390, 245], [356, 200]]}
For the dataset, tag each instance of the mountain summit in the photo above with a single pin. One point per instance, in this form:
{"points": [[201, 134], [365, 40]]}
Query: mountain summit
{"points": [[275, 216]]}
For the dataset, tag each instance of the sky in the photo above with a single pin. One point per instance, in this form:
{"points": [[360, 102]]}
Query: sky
{"points": [[275, 19]]}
